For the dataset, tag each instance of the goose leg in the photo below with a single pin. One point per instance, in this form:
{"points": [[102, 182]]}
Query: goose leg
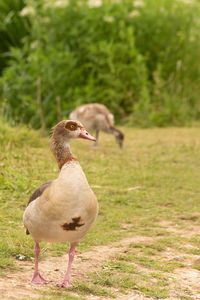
{"points": [[66, 283], [37, 278]]}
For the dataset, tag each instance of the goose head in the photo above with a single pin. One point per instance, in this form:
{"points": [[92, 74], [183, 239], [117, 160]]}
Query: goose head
{"points": [[62, 134], [120, 139], [70, 129], [119, 136]]}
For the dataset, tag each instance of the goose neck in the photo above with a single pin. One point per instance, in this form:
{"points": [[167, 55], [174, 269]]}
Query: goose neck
{"points": [[61, 150]]}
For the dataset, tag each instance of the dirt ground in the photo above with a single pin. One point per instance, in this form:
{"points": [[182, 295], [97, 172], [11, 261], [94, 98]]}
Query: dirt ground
{"points": [[16, 285]]}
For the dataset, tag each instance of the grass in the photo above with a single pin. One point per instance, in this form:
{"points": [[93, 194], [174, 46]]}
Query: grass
{"points": [[151, 188]]}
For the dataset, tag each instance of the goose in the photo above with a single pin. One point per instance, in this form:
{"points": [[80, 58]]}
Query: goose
{"points": [[95, 116], [64, 209]]}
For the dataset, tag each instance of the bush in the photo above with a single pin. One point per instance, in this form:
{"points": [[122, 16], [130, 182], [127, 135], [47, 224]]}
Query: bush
{"points": [[135, 57], [12, 28], [167, 35]]}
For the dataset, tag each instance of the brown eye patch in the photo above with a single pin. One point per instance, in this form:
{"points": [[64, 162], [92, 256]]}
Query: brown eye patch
{"points": [[71, 125]]}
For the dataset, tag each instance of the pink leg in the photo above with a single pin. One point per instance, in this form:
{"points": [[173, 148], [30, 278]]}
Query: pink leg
{"points": [[66, 283], [37, 278]]}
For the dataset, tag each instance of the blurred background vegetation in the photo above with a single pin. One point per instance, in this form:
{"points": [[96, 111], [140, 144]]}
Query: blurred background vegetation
{"points": [[139, 58]]}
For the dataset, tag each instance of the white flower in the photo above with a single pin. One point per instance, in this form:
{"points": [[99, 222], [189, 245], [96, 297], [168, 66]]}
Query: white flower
{"points": [[94, 3], [61, 3], [56, 3], [138, 3], [108, 19], [34, 45], [134, 13], [187, 1], [27, 10]]}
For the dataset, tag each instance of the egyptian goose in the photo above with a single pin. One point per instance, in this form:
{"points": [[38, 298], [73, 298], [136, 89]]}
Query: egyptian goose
{"points": [[62, 210], [97, 117]]}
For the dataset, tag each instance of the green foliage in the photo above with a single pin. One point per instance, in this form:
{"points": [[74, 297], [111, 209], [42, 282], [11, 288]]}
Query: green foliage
{"points": [[166, 36], [12, 28], [140, 58]]}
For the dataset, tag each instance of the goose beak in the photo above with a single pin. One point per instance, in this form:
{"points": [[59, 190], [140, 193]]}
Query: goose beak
{"points": [[85, 135]]}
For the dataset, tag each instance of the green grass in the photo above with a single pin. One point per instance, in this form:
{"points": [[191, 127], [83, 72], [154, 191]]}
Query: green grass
{"points": [[162, 163]]}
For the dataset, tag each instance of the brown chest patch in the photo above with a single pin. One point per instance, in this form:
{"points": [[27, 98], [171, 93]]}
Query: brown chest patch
{"points": [[72, 226]]}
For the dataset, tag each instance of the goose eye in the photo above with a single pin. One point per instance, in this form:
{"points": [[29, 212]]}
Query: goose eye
{"points": [[71, 126]]}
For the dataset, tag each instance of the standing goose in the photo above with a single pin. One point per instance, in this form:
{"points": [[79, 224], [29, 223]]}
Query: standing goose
{"points": [[97, 117], [62, 210]]}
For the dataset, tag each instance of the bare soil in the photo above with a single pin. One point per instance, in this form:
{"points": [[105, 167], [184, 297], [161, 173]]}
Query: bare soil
{"points": [[16, 285]]}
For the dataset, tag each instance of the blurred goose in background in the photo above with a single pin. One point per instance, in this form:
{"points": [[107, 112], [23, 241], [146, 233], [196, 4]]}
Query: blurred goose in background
{"points": [[62, 210], [97, 117]]}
